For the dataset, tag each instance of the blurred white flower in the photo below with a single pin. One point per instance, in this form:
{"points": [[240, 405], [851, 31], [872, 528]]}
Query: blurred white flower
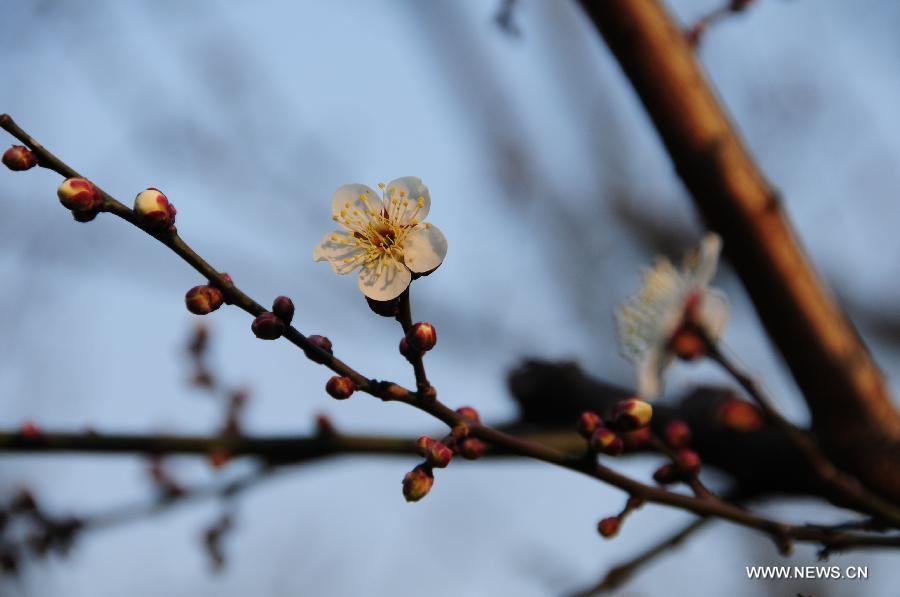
{"points": [[673, 314], [385, 238]]}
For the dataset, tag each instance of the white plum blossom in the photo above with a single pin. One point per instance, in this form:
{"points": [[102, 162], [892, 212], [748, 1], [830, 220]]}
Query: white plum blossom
{"points": [[385, 238], [673, 314]]}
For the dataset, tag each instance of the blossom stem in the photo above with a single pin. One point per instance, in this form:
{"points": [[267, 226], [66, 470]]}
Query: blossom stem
{"points": [[404, 316]]}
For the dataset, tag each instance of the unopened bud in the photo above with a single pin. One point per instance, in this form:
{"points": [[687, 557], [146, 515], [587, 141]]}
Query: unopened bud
{"points": [[471, 448], [30, 430], [677, 434], [687, 462], [18, 158], [283, 307], [605, 440], [632, 414], [219, 457], [407, 351], [320, 342], [267, 326], [588, 423], [154, 210], [79, 195], [469, 413], [340, 388], [436, 453], [637, 439], [422, 336], [609, 526], [740, 416], [417, 483], [202, 300], [665, 474], [384, 308]]}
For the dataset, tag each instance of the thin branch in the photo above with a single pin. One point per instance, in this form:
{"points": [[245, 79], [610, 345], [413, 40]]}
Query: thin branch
{"points": [[846, 488], [781, 532], [620, 574]]}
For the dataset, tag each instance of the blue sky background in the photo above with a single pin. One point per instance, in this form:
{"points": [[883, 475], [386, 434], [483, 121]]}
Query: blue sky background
{"points": [[543, 172]]}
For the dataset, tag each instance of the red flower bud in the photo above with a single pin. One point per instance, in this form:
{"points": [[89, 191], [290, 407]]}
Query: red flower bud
{"points": [[340, 388], [740, 416], [384, 308], [417, 483], [30, 430], [219, 457], [422, 336], [436, 453], [321, 342], [18, 158], [687, 462], [632, 414], [202, 300], [665, 474], [267, 326], [588, 423], [283, 307], [79, 195], [471, 448], [469, 413], [677, 434], [605, 440], [637, 439], [609, 526], [154, 210]]}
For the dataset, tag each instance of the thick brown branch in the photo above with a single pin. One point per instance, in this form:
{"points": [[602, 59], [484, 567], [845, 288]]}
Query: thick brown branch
{"points": [[846, 393]]}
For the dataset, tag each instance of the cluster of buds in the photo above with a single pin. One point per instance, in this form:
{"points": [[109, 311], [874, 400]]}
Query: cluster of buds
{"points": [[270, 325], [81, 197], [600, 437], [18, 158], [685, 463], [420, 338], [439, 453], [154, 211], [436, 453], [627, 427]]}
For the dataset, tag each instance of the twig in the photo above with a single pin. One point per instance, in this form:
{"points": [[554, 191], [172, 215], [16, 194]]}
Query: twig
{"points": [[404, 316], [781, 532], [620, 574]]}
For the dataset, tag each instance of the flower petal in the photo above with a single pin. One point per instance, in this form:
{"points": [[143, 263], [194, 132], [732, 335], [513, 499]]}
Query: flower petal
{"points": [[424, 248], [353, 205], [713, 313], [710, 248], [337, 247], [649, 372], [407, 199], [382, 280]]}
